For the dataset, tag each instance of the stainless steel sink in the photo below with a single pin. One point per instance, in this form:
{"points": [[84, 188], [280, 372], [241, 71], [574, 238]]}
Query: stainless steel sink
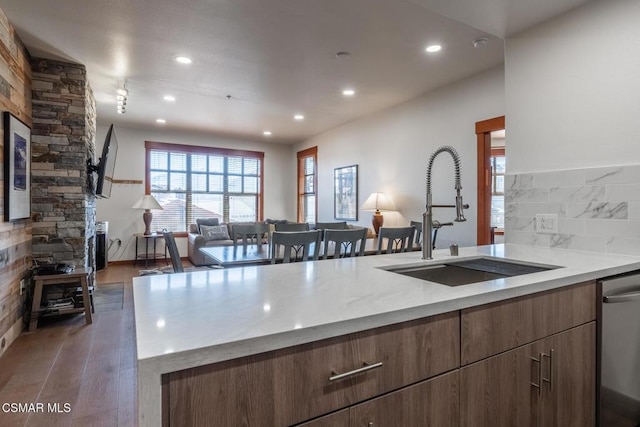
{"points": [[474, 270]]}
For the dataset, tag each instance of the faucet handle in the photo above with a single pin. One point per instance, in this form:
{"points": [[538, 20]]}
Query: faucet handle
{"points": [[437, 224], [459, 209]]}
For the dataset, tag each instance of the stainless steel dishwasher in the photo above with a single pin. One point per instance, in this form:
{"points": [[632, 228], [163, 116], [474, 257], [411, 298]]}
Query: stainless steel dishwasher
{"points": [[619, 362]]}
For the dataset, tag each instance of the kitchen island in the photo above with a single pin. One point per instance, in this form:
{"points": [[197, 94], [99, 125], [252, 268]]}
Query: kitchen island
{"points": [[197, 319]]}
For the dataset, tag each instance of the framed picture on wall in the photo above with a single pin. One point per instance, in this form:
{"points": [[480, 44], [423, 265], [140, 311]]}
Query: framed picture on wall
{"points": [[17, 168], [345, 193]]}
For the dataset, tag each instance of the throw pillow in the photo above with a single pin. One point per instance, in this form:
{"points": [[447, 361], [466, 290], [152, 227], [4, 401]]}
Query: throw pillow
{"points": [[215, 232], [206, 221]]}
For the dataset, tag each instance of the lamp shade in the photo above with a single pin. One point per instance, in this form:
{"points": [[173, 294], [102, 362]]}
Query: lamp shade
{"points": [[377, 202], [147, 202]]}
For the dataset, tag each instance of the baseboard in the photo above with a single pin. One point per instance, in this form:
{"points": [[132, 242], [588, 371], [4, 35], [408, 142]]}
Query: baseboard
{"points": [[10, 336], [121, 262], [130, 261]]}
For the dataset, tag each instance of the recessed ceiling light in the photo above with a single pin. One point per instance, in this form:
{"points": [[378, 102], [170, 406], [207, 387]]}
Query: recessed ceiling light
{"points": [[183, 59], [169, 98], [433, 48], [348, 92], [161, 121], [266, 133], [298, 117]]}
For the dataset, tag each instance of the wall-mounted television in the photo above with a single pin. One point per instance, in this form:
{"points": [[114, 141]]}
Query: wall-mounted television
{"points": [[106, 165]]}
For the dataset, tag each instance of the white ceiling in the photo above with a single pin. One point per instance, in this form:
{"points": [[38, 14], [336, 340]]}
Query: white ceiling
{"points": [[274, 57]]}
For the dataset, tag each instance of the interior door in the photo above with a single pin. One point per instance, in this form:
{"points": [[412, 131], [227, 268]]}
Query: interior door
{"points": [[483, 134]]}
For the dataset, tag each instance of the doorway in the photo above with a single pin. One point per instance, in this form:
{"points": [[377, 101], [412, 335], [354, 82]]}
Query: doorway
{"points": [[485, 233]]}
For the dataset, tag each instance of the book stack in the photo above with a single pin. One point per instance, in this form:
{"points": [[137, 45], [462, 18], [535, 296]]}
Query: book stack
{"points": [[60, 303], [78, 296]]}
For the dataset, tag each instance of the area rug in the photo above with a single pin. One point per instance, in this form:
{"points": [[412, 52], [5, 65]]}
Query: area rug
{"points": [[108, 297]]}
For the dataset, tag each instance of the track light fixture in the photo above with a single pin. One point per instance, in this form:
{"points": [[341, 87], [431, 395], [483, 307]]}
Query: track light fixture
{"points": [[121, 98]]}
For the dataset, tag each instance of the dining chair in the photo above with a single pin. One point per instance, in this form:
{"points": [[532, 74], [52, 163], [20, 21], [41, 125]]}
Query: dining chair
{"points": [[399, 239], [418, 232], [344, 242], [249, 233], [342, 225], [174, 256], [170, 241], [292, 226], [305, 245]]}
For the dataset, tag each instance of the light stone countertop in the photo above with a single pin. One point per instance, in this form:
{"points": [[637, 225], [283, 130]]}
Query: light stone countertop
{"points": [[192, 319]]}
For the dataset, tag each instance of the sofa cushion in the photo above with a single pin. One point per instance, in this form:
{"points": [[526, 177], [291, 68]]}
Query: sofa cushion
{"points": [[206, 221], [215, 232]]}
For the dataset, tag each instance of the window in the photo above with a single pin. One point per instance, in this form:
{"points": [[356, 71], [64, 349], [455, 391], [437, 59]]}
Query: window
{"points": [[201, 182], [307, 184], [497, 187]]}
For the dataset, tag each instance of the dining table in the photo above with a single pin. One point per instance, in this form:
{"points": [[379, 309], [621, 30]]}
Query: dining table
{"points": [[237, 256], [253, 254]]}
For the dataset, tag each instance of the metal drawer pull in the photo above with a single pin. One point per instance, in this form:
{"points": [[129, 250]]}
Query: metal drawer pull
{"points": [[334, 376], [537, 385], [550, 379]]}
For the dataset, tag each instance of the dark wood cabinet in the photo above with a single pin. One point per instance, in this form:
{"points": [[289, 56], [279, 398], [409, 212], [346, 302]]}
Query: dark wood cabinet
{"points": [[296, 384], [527, 361], [550, 382], [569, 399], [337, 419], [431, 403], [493, 328]]}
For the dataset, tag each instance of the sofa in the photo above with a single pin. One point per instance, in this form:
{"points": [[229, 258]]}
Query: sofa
{"points": [[212, 237], [197, 240]]}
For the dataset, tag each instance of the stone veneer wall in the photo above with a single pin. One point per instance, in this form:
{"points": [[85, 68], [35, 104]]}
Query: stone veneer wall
{"points": [[63, 138], [598, 208], [15, 236]]}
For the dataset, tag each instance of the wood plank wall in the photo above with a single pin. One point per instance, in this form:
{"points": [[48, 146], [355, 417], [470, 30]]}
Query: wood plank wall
{"points": [[15, 236]]}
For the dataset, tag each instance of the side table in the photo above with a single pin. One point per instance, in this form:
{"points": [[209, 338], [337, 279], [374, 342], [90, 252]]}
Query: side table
{"points": [[154, 254], [78, 277]]}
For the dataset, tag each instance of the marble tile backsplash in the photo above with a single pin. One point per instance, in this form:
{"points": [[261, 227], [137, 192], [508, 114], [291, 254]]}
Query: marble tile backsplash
{"points": [[598, 208]]}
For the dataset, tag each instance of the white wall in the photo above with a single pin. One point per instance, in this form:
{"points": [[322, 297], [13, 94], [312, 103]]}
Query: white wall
{"points": [[572, 90], [573, 114], [392, 148], [279, 200]]}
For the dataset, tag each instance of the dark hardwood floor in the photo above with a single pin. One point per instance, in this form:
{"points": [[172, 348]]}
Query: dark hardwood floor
{"points": [[90, 368]]}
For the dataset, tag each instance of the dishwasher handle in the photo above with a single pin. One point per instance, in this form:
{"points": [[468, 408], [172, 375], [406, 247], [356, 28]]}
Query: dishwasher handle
{"points": [[628, 294]]}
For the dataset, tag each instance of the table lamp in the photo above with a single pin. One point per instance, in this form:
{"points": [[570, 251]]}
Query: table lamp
{"points": [[377, 202], [147, 202]]}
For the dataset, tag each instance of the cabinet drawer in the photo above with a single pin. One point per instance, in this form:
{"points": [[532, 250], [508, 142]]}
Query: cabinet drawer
{"points": [[289, 386], [337, 419], [493, 328], [408, 352], [434, 402]]}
